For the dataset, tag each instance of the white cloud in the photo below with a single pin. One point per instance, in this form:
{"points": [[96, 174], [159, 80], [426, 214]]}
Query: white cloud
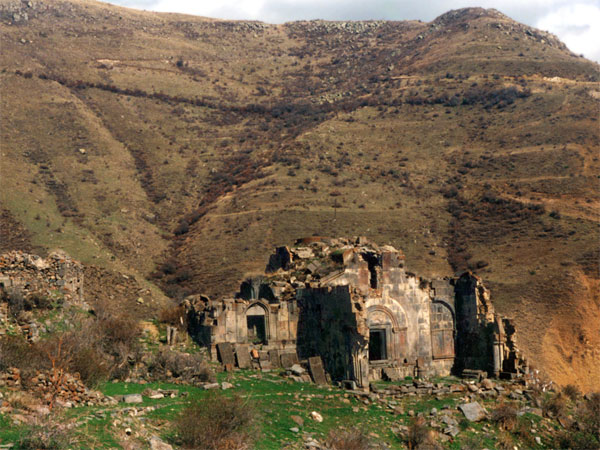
{"points": [[578, 26]]}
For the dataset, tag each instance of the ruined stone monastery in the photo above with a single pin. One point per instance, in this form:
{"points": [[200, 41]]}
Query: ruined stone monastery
{"points": [[354, 304]]}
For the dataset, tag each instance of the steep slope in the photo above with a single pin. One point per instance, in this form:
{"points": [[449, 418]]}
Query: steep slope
{"points": [[183, 149]]}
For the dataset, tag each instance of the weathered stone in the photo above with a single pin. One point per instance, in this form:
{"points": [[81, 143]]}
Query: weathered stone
{"points": [[297, 369], [317, 372], [298, 420], [242, 356], [313, 301], [274, 358], [392, 374], [226, 385], [316, 416], [451, 430], [288, 360], [225, 353], [133, 398], [487, 384], [281, 259], [473, 411], [157, 443]]}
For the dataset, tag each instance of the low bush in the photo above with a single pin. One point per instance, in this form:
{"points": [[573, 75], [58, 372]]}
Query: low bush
{"points": [[46, 435], [340, 439], [216, 423], [420, 436], [189, 366], [175, 316], [505, 416], [554, 405], [572, 392]]}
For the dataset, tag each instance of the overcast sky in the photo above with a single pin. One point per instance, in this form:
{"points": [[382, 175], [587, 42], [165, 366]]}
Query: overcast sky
{"points": [[575, 22]]}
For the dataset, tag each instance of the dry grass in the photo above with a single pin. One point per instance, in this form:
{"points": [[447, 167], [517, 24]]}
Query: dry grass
{"points": [[151, 157], [216, 423], [354, 439], [505, 416]]}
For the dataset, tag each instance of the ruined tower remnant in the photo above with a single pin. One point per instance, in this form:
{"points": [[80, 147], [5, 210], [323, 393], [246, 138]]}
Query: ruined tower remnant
{"points": [[353, 304]]}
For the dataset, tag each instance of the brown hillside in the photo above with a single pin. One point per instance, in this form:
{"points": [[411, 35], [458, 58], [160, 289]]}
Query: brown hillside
{"points": [[179, 150]]}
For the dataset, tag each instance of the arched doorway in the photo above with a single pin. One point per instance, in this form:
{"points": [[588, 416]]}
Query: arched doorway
{"points": [[387, 334], [256, 322]]}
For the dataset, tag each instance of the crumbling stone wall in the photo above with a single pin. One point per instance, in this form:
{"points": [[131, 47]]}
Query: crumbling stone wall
{"points": [[353, 304], [56, 275]]}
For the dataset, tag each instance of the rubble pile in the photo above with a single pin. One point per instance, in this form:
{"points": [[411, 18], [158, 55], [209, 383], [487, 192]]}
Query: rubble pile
{"points": [[56, 276], [314, 261], [66, 389]]}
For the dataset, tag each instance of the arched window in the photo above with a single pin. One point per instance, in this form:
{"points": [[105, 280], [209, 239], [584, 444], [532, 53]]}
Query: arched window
{"points": [[442, 331], [256, 321]]}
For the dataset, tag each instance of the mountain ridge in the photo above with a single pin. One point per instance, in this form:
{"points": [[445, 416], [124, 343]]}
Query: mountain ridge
{"points": [[180, 150]]}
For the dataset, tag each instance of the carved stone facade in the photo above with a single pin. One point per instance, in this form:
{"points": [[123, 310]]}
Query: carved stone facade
{"points": [[354, 304]]}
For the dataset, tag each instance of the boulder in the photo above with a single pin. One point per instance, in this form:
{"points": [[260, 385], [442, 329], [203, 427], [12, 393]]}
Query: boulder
{"points": [[297, 369], [487, 384], [157, 443], [133, 398], [316, 416], [473, 411], [298, 420]]}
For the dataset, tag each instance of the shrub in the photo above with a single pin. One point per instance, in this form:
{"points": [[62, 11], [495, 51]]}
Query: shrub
{"points": [[216, 423], [577, 440], [174, 316], [588, 415], [191, 367], [340, 439], [15, 351], [420, 437], [46, 435], [505, 416], [554, 405], [572, 392], [472, 442]]}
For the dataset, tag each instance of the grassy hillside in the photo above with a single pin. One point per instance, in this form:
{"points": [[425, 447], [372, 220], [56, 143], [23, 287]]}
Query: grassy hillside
{"points": [[179, 150]]}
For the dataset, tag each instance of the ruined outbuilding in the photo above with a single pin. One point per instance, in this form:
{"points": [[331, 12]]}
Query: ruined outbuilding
{"points": [[354, 304], [58, 275]]}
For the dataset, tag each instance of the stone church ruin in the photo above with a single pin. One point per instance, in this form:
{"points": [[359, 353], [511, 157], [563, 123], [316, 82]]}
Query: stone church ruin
{"points": [[353, 304]]}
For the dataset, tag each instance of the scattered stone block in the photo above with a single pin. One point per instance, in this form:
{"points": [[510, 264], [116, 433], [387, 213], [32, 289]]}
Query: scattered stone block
{"points": [[317, 372], [242, 355], [265, 365], [133, 398], [392, 374], [288, 359], [349, 384], [487, 384], [473, 411], [297, 369], [316, 416], [157, 443], [274, 358], [225, 353], [298, 420]]}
